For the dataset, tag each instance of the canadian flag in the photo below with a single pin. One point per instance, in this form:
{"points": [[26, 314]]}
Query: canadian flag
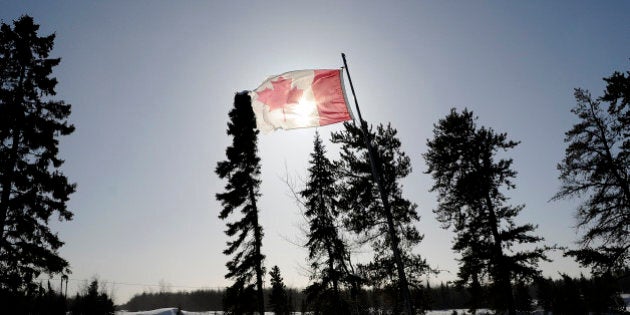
{"points": [[299, 99]]}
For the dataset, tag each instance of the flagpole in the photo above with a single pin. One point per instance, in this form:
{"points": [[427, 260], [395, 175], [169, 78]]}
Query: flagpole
{"points": [[402, 278]]}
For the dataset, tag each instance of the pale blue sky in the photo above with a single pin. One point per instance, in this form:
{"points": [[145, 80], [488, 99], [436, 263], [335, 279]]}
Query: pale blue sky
{"points": [[151, 83]]}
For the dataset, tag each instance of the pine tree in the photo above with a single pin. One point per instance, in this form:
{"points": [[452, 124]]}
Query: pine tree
{"points": [[596, 167], [327, 251], [242, 171], [469, 183], [392, 234], [278, 298], [32, 186]]}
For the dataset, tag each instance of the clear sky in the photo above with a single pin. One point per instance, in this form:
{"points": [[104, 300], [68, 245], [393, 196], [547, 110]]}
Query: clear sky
{"points": [[151, 83]]}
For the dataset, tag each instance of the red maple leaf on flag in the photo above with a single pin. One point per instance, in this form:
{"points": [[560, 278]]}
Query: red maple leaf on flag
{"points": [[281, 94]]}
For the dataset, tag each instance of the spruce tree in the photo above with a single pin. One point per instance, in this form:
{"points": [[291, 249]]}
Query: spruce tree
{"points": [[32, 186], [596, 169], [242, 172], [278, 298], [327, 250], [390, 231], [469, 182]]}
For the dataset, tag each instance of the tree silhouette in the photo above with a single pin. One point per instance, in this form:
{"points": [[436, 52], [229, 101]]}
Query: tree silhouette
{"points": [[33, 188], [242, 171], [468, 180], [596, 167], [278, 298], [392, 235], [92, 302], [327, 251]]}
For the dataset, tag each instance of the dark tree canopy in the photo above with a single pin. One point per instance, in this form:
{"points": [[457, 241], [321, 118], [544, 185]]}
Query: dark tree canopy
{"points": [[470, 184], [242, 172], [596, 169], [32, 186], [363, 208]]}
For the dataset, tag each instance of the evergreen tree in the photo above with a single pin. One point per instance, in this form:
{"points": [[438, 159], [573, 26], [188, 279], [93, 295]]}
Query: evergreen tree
{"points": [[469, 183], [278, 298], [390, 229], [327, 251], [32, 186], [596, 167], [242, 171], [92, 302]]}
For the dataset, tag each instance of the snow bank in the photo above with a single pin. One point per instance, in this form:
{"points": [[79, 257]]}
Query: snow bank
{"points": [[173, 311]]}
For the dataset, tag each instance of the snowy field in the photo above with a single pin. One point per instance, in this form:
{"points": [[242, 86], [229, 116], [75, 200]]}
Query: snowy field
{"points": [[173, 311]]}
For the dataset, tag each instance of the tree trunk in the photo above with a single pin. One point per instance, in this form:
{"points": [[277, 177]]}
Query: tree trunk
{"points": [[400, 267], [333, 273], [258, 242], [502, 272]]}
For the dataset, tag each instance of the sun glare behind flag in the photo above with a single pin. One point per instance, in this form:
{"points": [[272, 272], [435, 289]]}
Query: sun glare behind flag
{"points": [[300, 99]]}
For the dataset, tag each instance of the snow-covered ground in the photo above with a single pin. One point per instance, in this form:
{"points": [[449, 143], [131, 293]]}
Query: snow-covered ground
{"points": [[165, 311], [173, 311], [459, 311]]}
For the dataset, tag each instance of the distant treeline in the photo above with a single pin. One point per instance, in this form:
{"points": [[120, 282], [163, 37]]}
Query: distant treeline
{"points": [[212, 300], [561, 296], [564, 295], [194, 301]]}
